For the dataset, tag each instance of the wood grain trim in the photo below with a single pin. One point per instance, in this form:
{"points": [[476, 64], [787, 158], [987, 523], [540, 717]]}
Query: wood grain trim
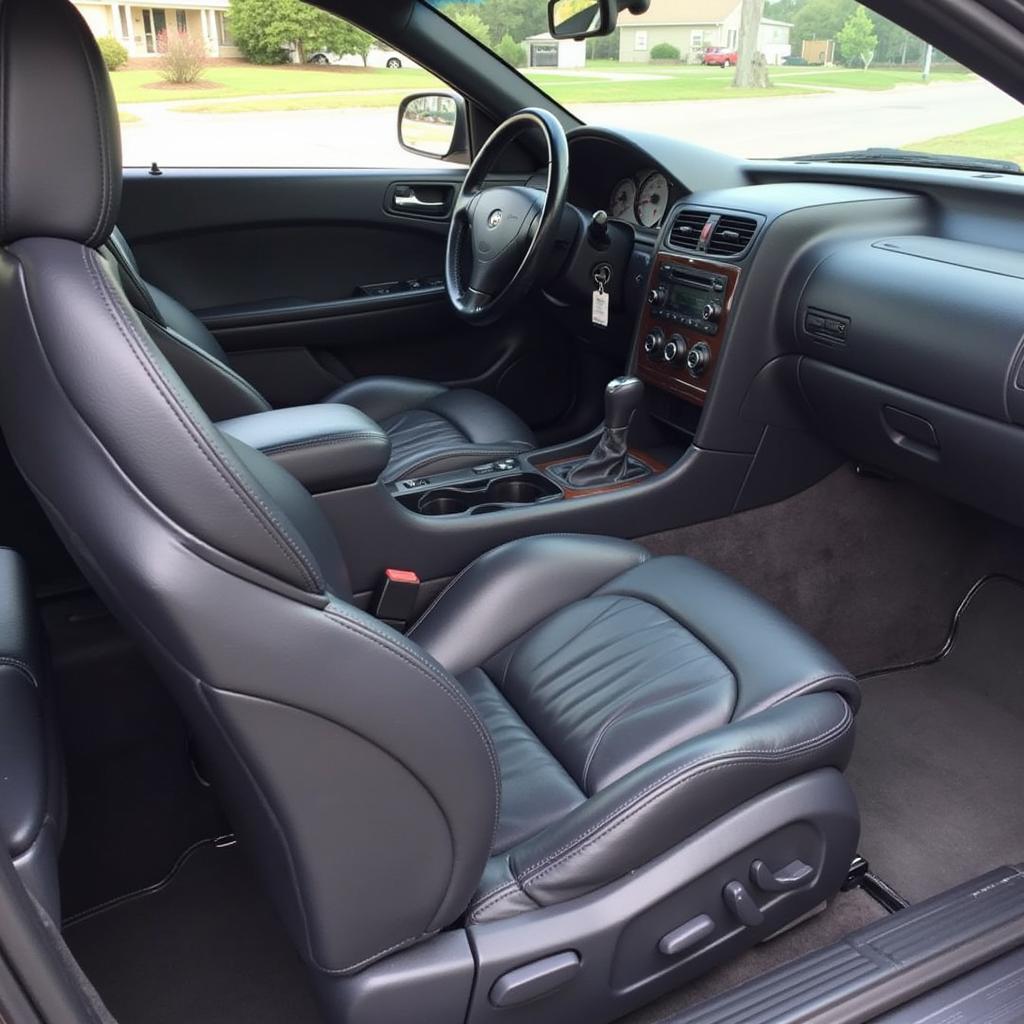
{"points": [[649, 461], [675, 378]]}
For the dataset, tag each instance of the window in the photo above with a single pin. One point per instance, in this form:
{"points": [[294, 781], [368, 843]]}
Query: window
{"points": [[126, 32], [640, 40], [332, 110], [697, 41], [732, 39], [224, 37]]}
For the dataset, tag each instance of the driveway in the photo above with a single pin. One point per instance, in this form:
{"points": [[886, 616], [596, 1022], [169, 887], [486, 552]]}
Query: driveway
{"points": [[775, 127]]}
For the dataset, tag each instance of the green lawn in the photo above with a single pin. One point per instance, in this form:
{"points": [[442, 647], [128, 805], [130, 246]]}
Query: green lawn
{"points": [[1003, 141], [871, 80], [138, 86]]}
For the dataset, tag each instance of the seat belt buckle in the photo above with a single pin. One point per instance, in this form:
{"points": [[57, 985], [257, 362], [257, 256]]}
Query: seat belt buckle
{"points": [[396, 603]]}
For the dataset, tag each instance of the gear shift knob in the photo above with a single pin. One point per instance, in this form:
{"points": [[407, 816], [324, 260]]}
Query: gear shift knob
{"points": [[622, 398]]}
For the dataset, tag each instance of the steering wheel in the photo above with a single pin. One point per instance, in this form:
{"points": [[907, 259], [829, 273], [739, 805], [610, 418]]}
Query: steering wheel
{"points": [[500, 238]]}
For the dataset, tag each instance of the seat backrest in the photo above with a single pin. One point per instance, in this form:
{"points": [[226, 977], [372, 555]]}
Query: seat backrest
{"points": [[185, 341], [353, 766]]}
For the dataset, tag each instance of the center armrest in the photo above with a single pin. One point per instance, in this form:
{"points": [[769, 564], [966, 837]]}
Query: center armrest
{"points": [[325, 447]]}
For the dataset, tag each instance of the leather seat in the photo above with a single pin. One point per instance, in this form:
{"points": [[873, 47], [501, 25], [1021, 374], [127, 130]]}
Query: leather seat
{"points": [[577, 749], [432, 428]]}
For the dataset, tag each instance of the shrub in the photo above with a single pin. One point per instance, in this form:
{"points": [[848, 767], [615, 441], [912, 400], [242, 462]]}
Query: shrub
{"points": [[114, 53], [510, 51], [664, 51], [182, 57]]}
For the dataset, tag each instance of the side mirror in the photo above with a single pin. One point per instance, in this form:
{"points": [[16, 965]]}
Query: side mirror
{"points": [[578, 19], [434, 124]]}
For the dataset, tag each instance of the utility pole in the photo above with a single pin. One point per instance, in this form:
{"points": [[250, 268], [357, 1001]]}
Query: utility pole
{"points": [[927, 73]]}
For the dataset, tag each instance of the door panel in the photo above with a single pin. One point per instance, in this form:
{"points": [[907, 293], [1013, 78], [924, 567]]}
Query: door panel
{"points": [[312, 278]]}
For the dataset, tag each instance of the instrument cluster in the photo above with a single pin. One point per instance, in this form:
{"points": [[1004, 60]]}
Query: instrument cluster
{"points": [[641, 199]]}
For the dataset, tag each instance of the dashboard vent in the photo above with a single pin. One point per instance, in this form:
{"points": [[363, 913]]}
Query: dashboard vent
{"points": [[731, 235], [686, 230]]}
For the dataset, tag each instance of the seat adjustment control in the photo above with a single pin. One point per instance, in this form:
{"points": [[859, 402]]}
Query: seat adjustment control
{"points": [[792, 876], [686, 936], [741, 905], [534, 980]]}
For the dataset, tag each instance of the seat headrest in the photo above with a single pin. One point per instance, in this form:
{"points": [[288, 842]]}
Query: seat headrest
{"points": [[60, 141]]}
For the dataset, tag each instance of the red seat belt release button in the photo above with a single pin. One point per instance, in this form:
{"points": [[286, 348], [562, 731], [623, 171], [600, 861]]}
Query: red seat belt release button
{"points": [[396, 603]]}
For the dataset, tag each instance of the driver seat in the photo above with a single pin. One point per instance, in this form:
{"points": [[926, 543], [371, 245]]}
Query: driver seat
{"points": [[432, 428]]}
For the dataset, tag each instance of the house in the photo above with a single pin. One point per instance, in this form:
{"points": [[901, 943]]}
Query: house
{"points": [[694, 25], [544, 52], [139, 27]]}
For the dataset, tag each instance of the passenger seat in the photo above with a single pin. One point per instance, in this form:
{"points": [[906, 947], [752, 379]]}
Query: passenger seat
{"points": [[31, 768]]}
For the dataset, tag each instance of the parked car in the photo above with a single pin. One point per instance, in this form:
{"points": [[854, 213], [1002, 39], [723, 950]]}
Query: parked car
{"points": [[376, 58], [720, 57], [793, 61]]}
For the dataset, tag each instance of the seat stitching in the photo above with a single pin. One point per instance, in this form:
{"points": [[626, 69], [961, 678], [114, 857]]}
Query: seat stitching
{"points": [[629, 709], [838, 677], [192, 349], [236, 485], [22, 666], [460, 700], [773, 755], [106, 185], [679, 776], [327, 439]]}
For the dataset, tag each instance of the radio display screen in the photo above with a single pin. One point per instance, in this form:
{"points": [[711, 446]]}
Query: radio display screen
{"points": [[687, 299]]}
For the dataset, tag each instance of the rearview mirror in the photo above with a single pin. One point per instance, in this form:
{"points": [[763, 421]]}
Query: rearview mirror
{"points": [[434, 124], [578, 19]]}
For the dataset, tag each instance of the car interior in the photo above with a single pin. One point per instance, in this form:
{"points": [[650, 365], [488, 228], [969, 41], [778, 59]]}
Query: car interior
{"points": [[426, 597]]}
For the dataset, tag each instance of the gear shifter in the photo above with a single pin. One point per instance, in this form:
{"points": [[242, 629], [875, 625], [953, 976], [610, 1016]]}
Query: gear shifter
{"points": [[609, 462]]}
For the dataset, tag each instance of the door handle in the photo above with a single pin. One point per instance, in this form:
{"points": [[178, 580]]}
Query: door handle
{"points": [[413, 202], [424, 200]]}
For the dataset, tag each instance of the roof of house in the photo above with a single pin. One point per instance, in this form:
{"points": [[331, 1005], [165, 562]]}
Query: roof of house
{"points": [[681, 12]]}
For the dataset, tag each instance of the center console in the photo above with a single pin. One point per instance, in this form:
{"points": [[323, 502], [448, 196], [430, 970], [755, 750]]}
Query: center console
{"points": [[683, 326]]}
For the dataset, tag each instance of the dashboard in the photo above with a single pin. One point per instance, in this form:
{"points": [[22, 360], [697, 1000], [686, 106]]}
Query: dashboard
{"points": [[808, 313]]}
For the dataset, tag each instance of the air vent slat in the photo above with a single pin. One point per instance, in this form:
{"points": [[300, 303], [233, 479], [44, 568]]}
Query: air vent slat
{"points": [[732, 235], [686, 230]]}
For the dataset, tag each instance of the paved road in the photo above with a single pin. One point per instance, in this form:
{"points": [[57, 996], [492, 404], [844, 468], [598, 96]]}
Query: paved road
{"points": [[782, 126]]}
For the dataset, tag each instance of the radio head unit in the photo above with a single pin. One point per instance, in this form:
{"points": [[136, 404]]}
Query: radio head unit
{"points": [[689, 297]]}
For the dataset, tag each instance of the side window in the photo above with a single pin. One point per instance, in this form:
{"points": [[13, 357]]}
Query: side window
{"points": [[211, 84]]}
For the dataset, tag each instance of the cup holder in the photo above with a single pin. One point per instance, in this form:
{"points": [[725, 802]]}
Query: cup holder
{"points": [[442, 506], [477, 500]]}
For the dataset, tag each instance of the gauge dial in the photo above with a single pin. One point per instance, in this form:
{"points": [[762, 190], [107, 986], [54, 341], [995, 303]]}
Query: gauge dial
{"points": [[652, 200], [623, 199]]}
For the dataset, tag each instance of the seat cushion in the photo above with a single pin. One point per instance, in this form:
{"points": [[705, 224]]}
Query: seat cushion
{"points": [[657, 696], [434, 429]]}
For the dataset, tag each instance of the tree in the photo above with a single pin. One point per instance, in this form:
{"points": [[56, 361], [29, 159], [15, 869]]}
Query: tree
{"points": [[265, 29], [510, 51], [820, 19], [471, 23], [750, 72], [516, 18], [857, 39]]}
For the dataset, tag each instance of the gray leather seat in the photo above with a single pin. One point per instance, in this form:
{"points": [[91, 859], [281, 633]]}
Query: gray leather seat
{"points": [[577, 749], [432, 428]]}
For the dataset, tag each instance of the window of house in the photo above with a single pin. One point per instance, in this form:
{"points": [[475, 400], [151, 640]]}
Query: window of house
{"points": [[182, 21], [224, 37], [125, 30], [640, 40], [733, 35], [696, 40]]}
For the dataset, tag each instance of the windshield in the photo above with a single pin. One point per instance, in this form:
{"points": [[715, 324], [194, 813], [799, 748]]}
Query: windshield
{"points": [[825, 78]]}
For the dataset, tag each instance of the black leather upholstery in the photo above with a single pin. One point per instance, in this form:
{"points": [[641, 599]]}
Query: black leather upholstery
{"points": [[431, 428], [325, 447], [434, 429], [566, 711], [628, 698], [31, 771]]}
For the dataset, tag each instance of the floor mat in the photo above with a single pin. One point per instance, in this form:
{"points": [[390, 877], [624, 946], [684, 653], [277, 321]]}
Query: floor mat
{"points": [[938, 765], [847, 913], [205, 949]]}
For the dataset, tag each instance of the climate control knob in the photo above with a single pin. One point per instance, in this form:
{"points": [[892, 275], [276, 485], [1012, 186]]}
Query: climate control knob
{"points": [[654, 342], [713, 312], [675, 349], [656, 296], [698, 359]]}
